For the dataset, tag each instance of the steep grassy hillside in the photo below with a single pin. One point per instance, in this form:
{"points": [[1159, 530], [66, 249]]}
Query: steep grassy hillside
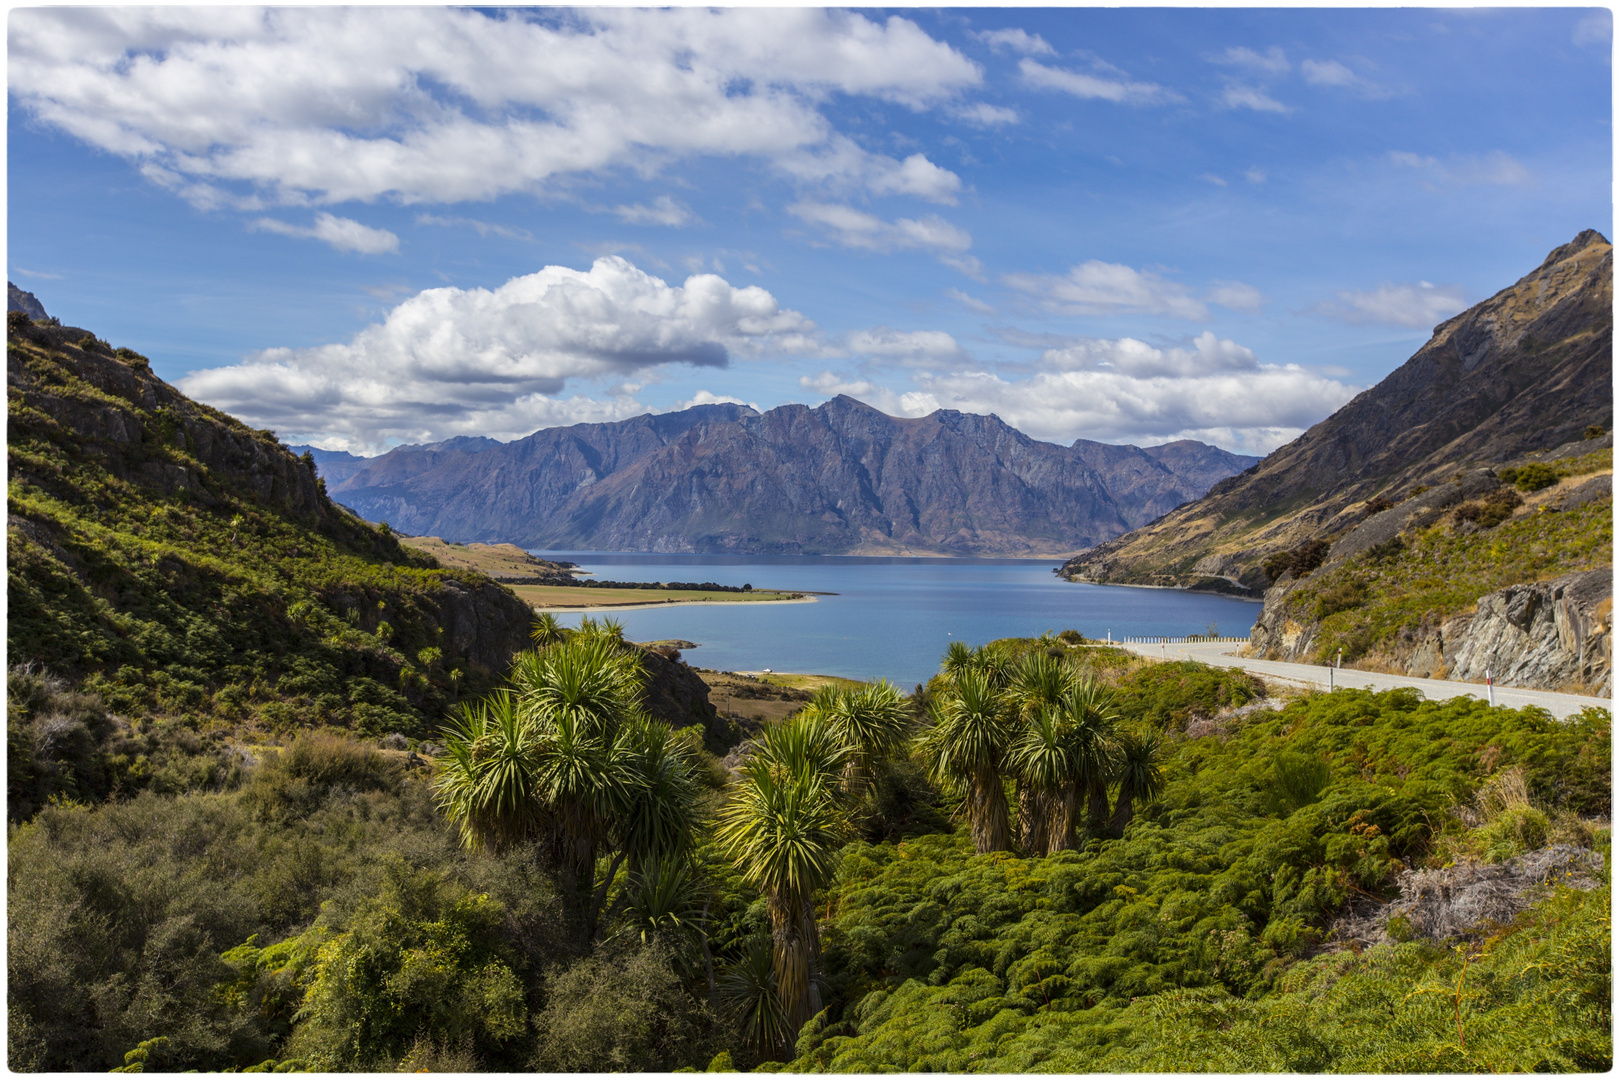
{"points": [[1525, 371], [192, 571]]}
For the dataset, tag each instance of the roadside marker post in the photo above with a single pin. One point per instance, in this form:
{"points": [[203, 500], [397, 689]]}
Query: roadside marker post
{"points": [[1490, 690]]}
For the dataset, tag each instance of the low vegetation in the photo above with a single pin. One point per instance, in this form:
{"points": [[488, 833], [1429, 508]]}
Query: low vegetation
{"points": [[1049, 858], [1366, 603]]}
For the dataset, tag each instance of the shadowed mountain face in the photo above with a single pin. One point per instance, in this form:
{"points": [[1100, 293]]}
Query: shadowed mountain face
{"points": [[1527, 370], [841, 478]]}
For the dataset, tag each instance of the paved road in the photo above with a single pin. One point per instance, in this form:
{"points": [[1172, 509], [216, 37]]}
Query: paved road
{"points": [[1218, 653]]}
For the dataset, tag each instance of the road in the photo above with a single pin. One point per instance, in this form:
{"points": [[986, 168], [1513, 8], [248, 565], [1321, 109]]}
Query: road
{"points": [[1218, 654]]}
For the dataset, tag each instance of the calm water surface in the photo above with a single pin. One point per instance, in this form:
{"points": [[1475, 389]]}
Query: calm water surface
{"points": [[892, 617]]}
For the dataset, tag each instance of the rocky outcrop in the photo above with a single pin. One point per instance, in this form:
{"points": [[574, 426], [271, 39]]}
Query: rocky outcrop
{"points": [[676, 695], [1550, 635], [25, 302], [1547, 635], [1468, 900], [1527, 370], [839, 478]]}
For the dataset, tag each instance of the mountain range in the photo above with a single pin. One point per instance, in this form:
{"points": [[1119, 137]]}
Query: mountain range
{"points": [[1520, 373], [842, 478]]}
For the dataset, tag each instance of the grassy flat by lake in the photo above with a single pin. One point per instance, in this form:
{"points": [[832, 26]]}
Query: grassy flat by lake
{"points": [[496, 560], [577, 596]]}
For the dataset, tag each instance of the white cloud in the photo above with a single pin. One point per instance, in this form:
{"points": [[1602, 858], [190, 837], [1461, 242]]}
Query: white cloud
{"points": [[38, 274], [293, 106], [495, 361], [482, 228], [1092, 86], [704, 397], [1017, 41], [1236, 295], [1596, 28], [344, 234], [982, 114], [1126, 390], [1238, 96], [1421, 306], [1495, 167], [1327, 73], [972, 303], [1100, 288], [1272, 62], [663, 211], [854, 228], [910, 347], [1255, 175], [1211, 178]]}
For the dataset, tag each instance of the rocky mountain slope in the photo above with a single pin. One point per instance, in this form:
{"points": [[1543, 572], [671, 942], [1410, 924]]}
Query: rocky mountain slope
{"points": [[1524, 371], [840, 478]]}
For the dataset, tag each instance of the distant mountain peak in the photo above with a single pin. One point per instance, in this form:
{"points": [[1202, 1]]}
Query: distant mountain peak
{"points": [[25, 302]]}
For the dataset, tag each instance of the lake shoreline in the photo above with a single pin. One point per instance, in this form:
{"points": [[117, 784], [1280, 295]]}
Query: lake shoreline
{"points": [[642, 605]]}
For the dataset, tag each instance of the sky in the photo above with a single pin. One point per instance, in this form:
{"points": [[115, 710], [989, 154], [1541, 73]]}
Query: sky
{"points": [[362, 227]]}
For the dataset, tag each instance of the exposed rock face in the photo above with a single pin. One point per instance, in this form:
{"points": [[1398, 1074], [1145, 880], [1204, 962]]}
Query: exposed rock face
{"points": [[1552, 635], [1522, 372], [1470, 899], [676, 695], [1548, 635], [25, 302], [840, 478]]}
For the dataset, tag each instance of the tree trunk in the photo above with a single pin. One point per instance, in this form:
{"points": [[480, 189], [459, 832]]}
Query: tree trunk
{"points": [[987, 808], [1124, 810], [1060, 819], [790, 954], [1032, 832], [1096, 805]]}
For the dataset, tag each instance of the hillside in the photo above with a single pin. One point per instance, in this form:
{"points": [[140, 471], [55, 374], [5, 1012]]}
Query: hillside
{"points": [[840, 478], [1525, 371], [184, 565]]}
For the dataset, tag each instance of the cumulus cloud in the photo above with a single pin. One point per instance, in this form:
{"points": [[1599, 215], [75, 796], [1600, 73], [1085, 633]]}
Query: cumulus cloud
{"points": [[1016, 40], [342, 233], [909, 347], [1255, 175], [293, 106], [1596, 28], [704, 397], [1495, 167], [1124, 390], [1420, 306], [1101, 288], [1082, 85], [1327, 73], [854, 228], [496, 361]]}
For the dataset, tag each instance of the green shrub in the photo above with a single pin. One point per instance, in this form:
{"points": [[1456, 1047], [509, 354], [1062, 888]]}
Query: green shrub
{"points": [[1342, 596], [1531, 477]]}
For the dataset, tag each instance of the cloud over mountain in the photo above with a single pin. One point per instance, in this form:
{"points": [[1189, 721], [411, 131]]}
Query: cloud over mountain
{"points": [[496, 361]]}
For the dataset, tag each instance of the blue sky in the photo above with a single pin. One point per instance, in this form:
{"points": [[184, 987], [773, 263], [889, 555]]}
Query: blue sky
{"points": [[368, 226]]}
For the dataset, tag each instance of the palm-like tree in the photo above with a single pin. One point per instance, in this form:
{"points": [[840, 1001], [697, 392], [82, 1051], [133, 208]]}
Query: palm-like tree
{"points": [[964, 748], [567, 758], [1037, 684], [870, 721], [1091, 709], [548, 630], [1141, 776], [782, 829]]}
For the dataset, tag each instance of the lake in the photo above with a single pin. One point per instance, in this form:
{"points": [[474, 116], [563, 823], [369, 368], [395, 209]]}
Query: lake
{"points": [[892, 617]]}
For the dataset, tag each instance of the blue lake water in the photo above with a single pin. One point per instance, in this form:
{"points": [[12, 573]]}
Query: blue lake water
{"points": [[892, 617]]}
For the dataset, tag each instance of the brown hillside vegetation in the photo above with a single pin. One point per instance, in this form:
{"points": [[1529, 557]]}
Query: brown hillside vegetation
{"points": [[1527, 370]]}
